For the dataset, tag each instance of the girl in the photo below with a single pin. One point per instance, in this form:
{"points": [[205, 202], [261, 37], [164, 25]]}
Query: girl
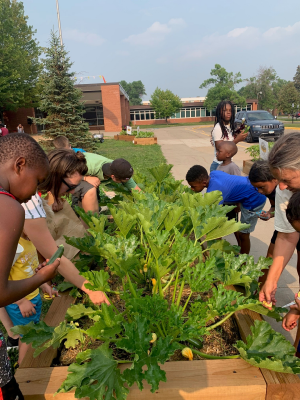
{"points": [[224, 128]]}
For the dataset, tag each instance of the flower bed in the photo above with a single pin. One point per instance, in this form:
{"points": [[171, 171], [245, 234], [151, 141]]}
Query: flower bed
{"points": [[141, 137], [167, 275]]}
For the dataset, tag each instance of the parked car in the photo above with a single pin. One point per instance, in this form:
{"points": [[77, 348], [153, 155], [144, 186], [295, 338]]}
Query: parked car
{"points": [[297, 115], [262, 125]]}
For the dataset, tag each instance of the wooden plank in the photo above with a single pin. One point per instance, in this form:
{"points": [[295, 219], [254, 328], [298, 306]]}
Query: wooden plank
{"points": [[55, 315], [145, 141], [279, 386], [247, 164], [208, 380]]}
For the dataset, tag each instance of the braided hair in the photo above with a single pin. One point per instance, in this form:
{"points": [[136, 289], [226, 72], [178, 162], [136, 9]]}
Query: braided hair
{"points": [[219, 118]]}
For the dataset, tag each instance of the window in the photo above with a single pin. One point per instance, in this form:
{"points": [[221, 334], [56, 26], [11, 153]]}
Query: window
{"points": [[187, 113], [147, 115], [142, 115], [197, 112], [131, 116], [177, 114], [193, 112], [137, 116], [203, 112], [249, 107], [152, 116], [93, 115], [182, 113]]}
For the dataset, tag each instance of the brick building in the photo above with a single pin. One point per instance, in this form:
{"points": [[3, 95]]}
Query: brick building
{"points": [[107, 108]]}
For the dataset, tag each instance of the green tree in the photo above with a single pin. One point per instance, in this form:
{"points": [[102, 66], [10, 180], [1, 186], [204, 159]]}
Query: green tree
{"points": [[60, 100], [296, 79], [288, 96], [265, 87], [165, 103], [223, 89], [19, 58], [135, 91]]}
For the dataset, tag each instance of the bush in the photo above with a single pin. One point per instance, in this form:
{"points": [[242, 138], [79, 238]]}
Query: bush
{"points": [[254, 151], [144, 134]]}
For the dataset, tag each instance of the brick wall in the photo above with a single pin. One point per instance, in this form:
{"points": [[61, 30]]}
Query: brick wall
{"points": [[111, 108], [172, 121], [127, 111], [13, 118], [123, 110]]}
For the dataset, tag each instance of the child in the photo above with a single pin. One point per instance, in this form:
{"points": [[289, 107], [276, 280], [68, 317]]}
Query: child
{"points": [[99, 169], [235, 189], [28, 308], [224, 129], [23, 165], [225, 152], [61, 142]]}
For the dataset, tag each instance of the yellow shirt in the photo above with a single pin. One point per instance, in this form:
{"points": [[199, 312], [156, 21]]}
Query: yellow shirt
{"points": [[25, 265]]}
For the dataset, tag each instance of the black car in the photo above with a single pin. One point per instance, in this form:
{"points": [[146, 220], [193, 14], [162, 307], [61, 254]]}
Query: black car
{"points": [[262, 125]]}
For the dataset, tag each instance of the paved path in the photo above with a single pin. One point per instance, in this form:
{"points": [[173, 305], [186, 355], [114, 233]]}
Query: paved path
{"points": [[186, 146]]}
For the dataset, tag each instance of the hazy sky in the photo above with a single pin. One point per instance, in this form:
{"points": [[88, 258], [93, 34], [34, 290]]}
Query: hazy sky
{"points": [[172, 44]]}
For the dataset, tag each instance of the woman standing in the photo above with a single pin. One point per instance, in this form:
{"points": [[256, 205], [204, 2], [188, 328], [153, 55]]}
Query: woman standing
{"points": [[224, 128], [20, 128]]}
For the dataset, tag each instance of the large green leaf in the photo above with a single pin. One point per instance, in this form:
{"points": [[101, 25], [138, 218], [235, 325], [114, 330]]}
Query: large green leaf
{"points": [[35, 334], [78, 311], [266, 348], [160, 172], [108, 324], [192, 200], [87, 244], [201, 276], [95, 375], [172, 218], [225, 229], [98, 280], [123, 221]]}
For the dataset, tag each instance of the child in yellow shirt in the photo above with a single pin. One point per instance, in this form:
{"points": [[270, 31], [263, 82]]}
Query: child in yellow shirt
{"points": [[28, 308]]}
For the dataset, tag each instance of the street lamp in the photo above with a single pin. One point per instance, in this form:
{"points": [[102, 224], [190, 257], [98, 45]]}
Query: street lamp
{"points": [[257, 98], [59, 26]]}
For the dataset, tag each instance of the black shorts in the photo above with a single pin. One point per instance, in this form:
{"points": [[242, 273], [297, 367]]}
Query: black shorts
{"points": [[275, 236], [11, 391], [232, 214]]}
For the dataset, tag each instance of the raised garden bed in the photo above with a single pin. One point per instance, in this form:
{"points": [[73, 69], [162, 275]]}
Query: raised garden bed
{"points": [[168, 277], [124, 138], [145, 141], [247, 164]]}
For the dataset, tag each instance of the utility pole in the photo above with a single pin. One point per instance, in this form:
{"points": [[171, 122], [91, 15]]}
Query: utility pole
{"points": [[59, 26]]}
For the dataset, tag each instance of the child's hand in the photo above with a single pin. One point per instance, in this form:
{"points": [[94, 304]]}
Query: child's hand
{"points": [[58, 205], [241, 136], [296, 307], [290, 320], [49, 290], [93, 180], [265, 215], [48, 272], [26, 307]]}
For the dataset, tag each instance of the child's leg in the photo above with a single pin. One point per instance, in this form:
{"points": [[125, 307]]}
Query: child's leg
{"points": [[245, 242], [23, 347], [7, 322], [248, 217]]}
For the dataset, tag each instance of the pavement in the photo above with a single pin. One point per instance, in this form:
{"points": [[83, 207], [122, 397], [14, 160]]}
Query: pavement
{"points": [[186, 146]]}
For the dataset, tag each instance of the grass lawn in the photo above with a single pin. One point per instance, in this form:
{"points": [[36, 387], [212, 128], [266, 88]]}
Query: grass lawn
{"points": [[288, 122], [140, 157], [148, 127]]}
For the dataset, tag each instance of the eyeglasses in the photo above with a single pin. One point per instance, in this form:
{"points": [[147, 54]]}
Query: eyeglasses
{"points": [[70, 187]]}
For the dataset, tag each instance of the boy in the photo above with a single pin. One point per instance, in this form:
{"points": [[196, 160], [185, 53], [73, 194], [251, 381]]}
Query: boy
{"points": [[225, 151], [99, 169], [235, 189], [23, 165]]}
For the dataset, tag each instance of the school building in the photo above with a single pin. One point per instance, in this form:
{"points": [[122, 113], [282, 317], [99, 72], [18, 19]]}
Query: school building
{"points": [[107, 108]]}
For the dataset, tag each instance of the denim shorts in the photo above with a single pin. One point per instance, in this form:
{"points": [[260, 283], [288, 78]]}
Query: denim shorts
{"points": [[214, 166], [249, 218], [17, 318]]}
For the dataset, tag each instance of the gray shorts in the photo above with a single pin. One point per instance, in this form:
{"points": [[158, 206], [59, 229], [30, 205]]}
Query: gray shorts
{"points": [[81, 191], [249, 218]]}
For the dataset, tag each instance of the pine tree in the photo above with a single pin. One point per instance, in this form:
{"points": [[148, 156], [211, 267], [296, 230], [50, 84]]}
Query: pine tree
{"points": [[296, 79], [60, 100]]}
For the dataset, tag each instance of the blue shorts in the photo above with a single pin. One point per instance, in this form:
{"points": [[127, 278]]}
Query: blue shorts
{"points": [[17, 318], [250, 218], [214, 166]]}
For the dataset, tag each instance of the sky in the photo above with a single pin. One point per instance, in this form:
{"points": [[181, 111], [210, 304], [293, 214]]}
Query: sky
{"points": [[171, 44]]}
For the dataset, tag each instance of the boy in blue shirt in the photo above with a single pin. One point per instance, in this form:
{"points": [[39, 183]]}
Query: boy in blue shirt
{"points": [[235, 189]]}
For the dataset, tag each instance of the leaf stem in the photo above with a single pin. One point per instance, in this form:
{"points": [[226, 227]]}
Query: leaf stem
{"points": [[160, 331], [175, 287], [131, 288], [208, 356], [187, 302], [180, 294], [220, 322]]}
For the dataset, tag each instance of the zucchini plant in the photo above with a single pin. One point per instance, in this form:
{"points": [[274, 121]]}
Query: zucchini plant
{"points": [[164, 240]]}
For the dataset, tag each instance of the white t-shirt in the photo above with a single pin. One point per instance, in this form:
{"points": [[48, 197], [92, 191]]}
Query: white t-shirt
{"points": [[217, 135], [34, 208], [282, 198]]}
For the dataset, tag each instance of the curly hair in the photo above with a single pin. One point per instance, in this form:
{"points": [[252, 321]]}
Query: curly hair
{"points": [[196, 173], [260, 172], [293, 209]]}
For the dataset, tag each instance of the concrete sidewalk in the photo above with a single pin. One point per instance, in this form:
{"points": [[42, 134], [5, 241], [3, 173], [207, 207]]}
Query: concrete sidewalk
{"points": [[186, 146]]}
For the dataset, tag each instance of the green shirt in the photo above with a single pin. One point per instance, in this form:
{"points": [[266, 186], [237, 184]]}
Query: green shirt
{"points": [[95, 163]]}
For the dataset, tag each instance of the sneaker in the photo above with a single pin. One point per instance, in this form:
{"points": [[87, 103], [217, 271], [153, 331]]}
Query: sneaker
{"points": [[11, 342]]}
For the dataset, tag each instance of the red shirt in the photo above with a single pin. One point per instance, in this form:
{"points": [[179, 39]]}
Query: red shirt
{"points": [[4, 131]]}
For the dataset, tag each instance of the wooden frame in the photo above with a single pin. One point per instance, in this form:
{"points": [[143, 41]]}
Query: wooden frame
{"points": [[247, 164], [125, 138], [206, 379], [145, 141]]}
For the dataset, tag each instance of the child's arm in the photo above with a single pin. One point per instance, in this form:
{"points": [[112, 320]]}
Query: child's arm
{"points": [[11, 226], [290, 320], [26, 307], [48, 289], [93, 180]]}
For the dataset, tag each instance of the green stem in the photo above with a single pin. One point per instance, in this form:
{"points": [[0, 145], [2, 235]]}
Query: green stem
{"points": [[160, 331], [187, 302], [123, 361], [164, 329], [180, 294], [208, 356], [220, 322], [161, 293], [112, 292], [170, 281], [175, 287], [131, 288]]}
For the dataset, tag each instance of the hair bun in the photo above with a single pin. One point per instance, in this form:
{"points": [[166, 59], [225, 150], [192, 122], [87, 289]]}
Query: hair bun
{"points": [[80, 156]]}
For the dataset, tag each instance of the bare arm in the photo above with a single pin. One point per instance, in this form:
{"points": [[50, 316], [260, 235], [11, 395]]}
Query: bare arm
{"points": [[284, 248], [38, 232], [137, 188], [11, 226]]}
